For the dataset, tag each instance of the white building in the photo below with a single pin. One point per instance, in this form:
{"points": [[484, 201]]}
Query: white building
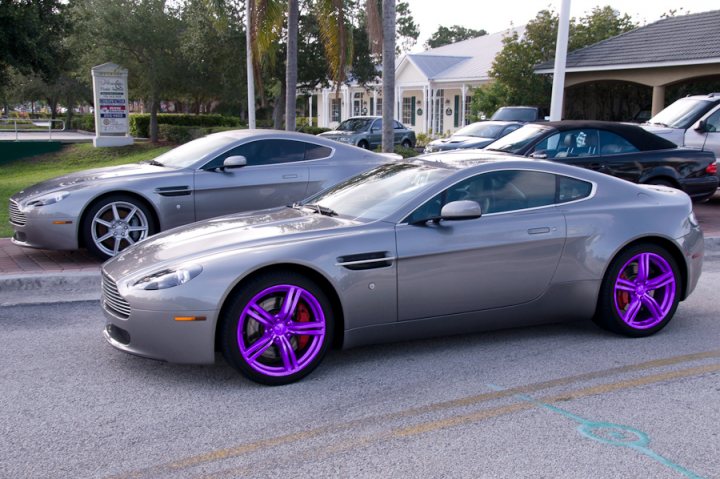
{"points": [[433, 88]]}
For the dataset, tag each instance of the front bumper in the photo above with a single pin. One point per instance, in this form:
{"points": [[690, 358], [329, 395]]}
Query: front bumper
{"points": [[35, 228], [156, 335], [693, 247]]}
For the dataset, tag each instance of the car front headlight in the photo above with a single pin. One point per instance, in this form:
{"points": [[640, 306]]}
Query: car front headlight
{"points": [[168, 278], [49, 199], [693, 219]]}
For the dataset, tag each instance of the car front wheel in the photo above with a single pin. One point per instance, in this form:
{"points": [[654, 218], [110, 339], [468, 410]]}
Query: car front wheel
{"points": [[640, 291], [114, 223], [277, 329], [406, 144]]}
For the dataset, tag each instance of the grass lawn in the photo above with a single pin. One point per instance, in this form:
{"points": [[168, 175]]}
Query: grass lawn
{"points": [[19, 174]]}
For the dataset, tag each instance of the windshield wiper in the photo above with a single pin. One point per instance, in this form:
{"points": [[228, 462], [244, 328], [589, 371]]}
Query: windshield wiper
{"points": [[660, 124], [154, 163], [321, 210]]}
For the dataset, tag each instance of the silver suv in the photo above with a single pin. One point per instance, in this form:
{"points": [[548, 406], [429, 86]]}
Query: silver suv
{"points": [[692, 121], [366, 132]]}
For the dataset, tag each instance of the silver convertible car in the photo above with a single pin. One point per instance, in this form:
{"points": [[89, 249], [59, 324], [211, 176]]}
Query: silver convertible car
{"points": [[448, 243], [108, 209]]}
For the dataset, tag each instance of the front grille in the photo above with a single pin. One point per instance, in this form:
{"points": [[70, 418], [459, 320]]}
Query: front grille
{"points": [[17, 217], [111, 299]]}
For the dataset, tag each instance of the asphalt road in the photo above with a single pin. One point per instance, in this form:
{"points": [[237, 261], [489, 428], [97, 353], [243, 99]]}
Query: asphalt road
{"points": [[558, 401]]}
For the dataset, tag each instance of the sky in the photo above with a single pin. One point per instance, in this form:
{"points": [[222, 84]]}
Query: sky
{"points": [[496, 15]]}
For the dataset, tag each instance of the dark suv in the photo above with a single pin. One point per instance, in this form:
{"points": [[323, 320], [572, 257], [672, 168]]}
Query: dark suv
{"points": [[524, 114], [366, 132]]}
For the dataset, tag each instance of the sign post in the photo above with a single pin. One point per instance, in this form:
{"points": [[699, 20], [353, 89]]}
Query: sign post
{"points": [[110, 92]]}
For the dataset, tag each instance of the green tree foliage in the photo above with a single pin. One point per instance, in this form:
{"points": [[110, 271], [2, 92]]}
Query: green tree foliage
{"points": [[448, 35], [31, 37], [513, 68], [406, 30]]}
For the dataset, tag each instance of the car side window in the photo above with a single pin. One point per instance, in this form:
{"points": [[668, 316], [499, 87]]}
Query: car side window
{"points": [[613, 144], [570, 144], [378, 124], [315, 152], [713, 122], [509, 129], [397, 125], [572, 189], [495, 192], [550, 146], [264, 152]]}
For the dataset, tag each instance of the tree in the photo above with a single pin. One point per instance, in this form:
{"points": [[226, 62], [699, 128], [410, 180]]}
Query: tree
{"points": [[456, 33], [407, 31], [291, 73], [388, 69], [31, 37]]}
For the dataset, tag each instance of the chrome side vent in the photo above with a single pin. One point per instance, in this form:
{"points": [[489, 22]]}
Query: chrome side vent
{"points": [[17, 217], [363, 261], [173, 191]]}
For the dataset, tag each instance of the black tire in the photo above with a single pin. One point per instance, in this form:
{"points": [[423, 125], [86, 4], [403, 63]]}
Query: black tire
{"points": [[612, 299], [364, 145], [406, 144], [140, 225], [270, 367]]}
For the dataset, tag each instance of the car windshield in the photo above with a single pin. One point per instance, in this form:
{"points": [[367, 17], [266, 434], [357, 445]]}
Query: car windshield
{"points": [[481, 130], [379, 192], [189, 153], [516, 141], [354, 124], [515, 114], [681, 114]]}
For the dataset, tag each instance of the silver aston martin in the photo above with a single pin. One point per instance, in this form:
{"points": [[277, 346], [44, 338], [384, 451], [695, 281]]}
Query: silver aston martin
{"points": [[108, 209], [445, 244]]}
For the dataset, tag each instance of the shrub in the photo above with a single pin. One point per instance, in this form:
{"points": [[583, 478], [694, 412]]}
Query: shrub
{"points": [[179, 134], [140, 122], [312, 130], [402, 151], [82, 122]]}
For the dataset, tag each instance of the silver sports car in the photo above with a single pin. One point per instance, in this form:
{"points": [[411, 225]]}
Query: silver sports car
{"points": [[108, 209], [446, 244]]}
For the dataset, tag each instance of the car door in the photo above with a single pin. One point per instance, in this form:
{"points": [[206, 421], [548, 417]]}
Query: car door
{"points": [[399, 132], [276, 174], [375, 134], [709, 138], [507, 256]]}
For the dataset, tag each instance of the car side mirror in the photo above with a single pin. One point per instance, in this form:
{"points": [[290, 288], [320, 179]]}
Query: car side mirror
{"points": [[234, 162], [700, 126], [539, 155], [461, 210]]}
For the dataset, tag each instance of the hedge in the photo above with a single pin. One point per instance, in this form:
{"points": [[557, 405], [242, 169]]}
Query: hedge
{"points": [[179, 134], [140, 122]]}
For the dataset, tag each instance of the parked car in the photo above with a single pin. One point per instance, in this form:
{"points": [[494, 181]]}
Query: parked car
{"points": [[693, 121], [618, 149], [366, 132], [524, 114], [474, 135], [108, 209], [446, 244]]}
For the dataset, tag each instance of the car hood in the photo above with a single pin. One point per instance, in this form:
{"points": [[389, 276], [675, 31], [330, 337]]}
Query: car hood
{"points": [[80, 179], [225, 233], [461, 141], [338, 134]]}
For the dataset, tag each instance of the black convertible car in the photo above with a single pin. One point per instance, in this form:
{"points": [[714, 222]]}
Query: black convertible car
{"points": [[618, 149]]}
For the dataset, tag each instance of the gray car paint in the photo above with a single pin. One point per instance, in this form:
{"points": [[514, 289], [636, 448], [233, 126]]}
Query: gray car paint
{"points": [[445, 278], [181, 196]]}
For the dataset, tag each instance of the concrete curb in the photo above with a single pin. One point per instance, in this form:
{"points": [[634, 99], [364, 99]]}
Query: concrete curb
{"points": [[61, 287]]}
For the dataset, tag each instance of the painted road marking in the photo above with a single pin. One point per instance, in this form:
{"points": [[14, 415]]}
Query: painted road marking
{"points": [[242, 449]]}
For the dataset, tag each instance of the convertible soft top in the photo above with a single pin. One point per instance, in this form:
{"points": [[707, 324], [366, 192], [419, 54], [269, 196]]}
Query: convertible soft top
{"points": [[642, 140]]}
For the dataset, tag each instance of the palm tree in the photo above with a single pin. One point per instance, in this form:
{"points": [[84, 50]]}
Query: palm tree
{"points": [[388, 77], [291, 72]]}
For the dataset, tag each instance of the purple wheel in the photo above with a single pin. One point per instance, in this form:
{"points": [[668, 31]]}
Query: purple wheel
{"points": [[640, 292], [278, 329]]}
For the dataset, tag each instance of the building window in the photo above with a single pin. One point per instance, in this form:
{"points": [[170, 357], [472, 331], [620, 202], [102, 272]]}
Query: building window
{"points": [[468, 101], [408, 110], [378, 110], [335, 109]]}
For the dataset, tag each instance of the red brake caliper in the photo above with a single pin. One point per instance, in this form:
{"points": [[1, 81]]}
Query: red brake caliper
{"points": [[303, 316], [623, 296]]}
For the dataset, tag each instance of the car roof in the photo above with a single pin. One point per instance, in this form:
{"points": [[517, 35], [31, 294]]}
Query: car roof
{"points": [[714, 97], [642, 139]]}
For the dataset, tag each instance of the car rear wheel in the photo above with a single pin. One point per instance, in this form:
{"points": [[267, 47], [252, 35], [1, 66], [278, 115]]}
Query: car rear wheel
{"points": [[406, 144], [114, 223], [277, 329], [640, 291], [364, 144]]}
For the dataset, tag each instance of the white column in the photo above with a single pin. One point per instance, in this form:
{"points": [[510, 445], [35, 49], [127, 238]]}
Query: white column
{"points": [[558, 88], [374, 108], [325, 113], [463, 113], [310, 101]]}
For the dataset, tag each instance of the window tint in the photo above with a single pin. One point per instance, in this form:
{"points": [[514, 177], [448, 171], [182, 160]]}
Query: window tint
{"points": [[571, 189], [612, 144], [713, 122], [378, 124], [496, 192], [570, 144], [315, 152], [264, 152], [398, 126]]}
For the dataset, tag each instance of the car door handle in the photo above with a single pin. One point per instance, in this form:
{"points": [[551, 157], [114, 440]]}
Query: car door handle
{"points": [[289, 177], [539, 231]]}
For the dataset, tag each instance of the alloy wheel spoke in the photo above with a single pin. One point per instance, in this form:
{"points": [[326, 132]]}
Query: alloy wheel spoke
{"points": [[130, 215], [643, 267], [632, 311], [259, 347], [116, 214], [104, 237], [290, 302], [116, 248], [307, 329], [132, 229], [260, 315], [624, 285], [287, 354], [660, 281], [652, 306], [130, 240], [101, 221]]}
